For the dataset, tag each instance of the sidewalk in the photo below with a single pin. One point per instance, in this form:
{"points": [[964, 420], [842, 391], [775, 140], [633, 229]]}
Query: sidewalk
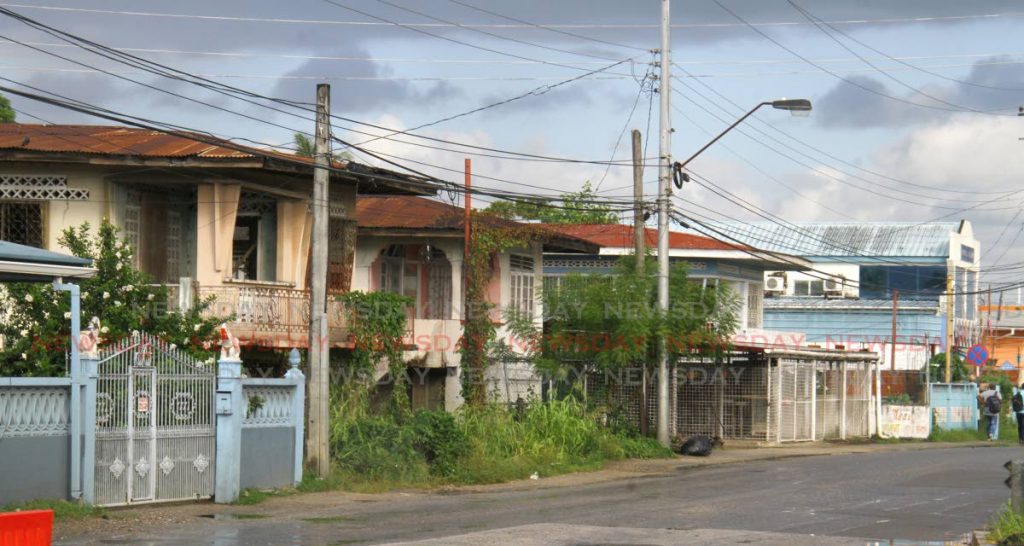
{"points": [[151, 518]]}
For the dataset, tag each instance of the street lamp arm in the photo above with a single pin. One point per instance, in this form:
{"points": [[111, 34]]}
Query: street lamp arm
{"points": [[720, 135]]}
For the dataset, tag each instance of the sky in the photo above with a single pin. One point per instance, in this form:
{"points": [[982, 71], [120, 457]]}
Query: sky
{"points": [[914, 114]]}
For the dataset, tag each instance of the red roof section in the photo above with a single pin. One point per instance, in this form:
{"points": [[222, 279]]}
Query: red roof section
{"points": [[621, 236], [113, 140], [406, 212]]}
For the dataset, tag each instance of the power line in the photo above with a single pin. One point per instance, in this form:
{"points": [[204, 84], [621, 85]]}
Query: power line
{"points": [[446, 38], [547, 27], [248, 96], [829, 155], [436, 60], [818, 22], [612, 26], [841, 78], [876, 68], [830, 175]]}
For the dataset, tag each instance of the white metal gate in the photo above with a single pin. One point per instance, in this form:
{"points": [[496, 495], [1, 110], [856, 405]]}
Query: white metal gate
{"points": [[155, 438], [795, 400]]}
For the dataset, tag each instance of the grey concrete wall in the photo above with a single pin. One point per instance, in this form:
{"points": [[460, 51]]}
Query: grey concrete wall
{"points": [[268, 457], [35, 467]]}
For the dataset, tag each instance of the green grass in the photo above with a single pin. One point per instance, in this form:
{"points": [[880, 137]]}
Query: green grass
{"points": [[1007, 528], [62, 510]]}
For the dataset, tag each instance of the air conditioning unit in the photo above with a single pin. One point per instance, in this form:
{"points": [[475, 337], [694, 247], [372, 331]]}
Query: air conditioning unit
{"points": [[835, 286], [775, 284]]}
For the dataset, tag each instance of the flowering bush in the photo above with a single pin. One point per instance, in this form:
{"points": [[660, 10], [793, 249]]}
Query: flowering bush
{"points": [[36, 326]]}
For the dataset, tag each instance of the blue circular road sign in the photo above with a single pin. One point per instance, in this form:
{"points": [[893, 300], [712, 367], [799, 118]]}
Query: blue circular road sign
{"points": [[977, 355]]}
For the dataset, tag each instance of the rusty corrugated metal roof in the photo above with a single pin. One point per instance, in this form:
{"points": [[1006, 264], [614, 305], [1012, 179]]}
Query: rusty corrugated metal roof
{"points": [[407, 212], [112, 140], [621, 236]]}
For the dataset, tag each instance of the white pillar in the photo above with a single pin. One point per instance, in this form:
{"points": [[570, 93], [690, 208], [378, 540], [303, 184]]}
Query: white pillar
{"points": [[230, 412]]}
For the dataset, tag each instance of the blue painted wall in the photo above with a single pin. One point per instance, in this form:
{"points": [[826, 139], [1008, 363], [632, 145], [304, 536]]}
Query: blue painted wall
{"points": [[869, 326]]}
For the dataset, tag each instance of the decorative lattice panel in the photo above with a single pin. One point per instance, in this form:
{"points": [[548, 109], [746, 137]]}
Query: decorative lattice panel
{"points": [[34, 411], [268, 406], [39, 187]]}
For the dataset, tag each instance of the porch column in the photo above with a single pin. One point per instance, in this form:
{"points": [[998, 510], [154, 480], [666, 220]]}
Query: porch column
{"points": [[230, 412], [452, 384]]}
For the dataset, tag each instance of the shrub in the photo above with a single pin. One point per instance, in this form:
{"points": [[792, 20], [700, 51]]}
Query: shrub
{"points": [[437, 436], [1008, 528], [378, 449]]}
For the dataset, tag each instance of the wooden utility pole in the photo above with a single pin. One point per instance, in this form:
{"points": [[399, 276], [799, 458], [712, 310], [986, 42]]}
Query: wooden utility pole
{"points": [[895, 306], [949, 319], [318, 454], [639, 242]]}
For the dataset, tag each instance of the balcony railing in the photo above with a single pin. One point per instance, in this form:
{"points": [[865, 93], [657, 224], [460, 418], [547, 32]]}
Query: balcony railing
{"points": [[265, 314]]}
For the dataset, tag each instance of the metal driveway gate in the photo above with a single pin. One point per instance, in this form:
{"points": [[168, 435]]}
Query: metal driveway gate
{"points": [[155, 438]]}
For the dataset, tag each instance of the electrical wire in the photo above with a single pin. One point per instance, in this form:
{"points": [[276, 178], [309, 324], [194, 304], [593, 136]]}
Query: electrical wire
{"points": [[818, 22], [848, 81]]}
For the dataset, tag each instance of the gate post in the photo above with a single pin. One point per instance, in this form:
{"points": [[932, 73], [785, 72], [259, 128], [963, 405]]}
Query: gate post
{"points": [[90, 374], [230, 411], [298, 410]]}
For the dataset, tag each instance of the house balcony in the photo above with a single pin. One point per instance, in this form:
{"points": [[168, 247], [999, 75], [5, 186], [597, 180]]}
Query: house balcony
{"points": [[264, 314]]}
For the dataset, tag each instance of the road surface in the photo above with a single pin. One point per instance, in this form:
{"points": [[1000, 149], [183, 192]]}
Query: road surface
{"points": [[920, 495]]}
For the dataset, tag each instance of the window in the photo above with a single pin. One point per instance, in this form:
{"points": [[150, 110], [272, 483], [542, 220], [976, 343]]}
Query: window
{"points": [[391, 270], [522, 294], [22, 223], [439, 286], [809, 288], [254, 248]]}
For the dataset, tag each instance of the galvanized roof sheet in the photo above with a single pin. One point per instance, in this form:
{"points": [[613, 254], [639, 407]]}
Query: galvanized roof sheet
{"points": [[876, 239], [797, 303]]}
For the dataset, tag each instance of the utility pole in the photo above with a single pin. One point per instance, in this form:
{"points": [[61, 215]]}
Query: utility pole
{"points": [[895, 306], [664, 194], [318, 453], [949, 318], [639, 242], [639, 232]]}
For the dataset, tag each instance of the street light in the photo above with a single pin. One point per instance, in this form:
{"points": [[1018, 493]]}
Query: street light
{"points": [[797, 107]]}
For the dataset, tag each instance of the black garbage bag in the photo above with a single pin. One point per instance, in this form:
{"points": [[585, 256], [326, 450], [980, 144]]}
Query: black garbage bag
{"points": [[697, 446]]}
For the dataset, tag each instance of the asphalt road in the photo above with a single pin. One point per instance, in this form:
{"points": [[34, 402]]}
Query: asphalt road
{"points": [[920, 495]]}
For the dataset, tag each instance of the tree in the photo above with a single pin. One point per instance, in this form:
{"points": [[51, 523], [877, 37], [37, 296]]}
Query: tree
{"points": [[37, 325], [612, 321], [304, 147], [582, 207], [7, 113]]}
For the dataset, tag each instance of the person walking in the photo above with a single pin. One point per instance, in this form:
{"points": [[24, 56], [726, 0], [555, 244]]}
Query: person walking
{"points": [[1017, 403], [991, 402]]}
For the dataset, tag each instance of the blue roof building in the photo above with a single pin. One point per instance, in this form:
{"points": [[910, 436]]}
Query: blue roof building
{"points": [[846, 298]]}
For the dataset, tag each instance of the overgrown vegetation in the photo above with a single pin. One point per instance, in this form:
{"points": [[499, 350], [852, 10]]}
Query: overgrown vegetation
{"points": [[7, 114], [1007, 432], [477, 445], [1007, 528], [377, 324], [611, 322], [958, 370], [37, 320], [62, 509]]}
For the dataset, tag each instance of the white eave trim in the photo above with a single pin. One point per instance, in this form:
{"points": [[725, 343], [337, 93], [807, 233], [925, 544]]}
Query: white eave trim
{"points": [[789, 261], [47, 270]]}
